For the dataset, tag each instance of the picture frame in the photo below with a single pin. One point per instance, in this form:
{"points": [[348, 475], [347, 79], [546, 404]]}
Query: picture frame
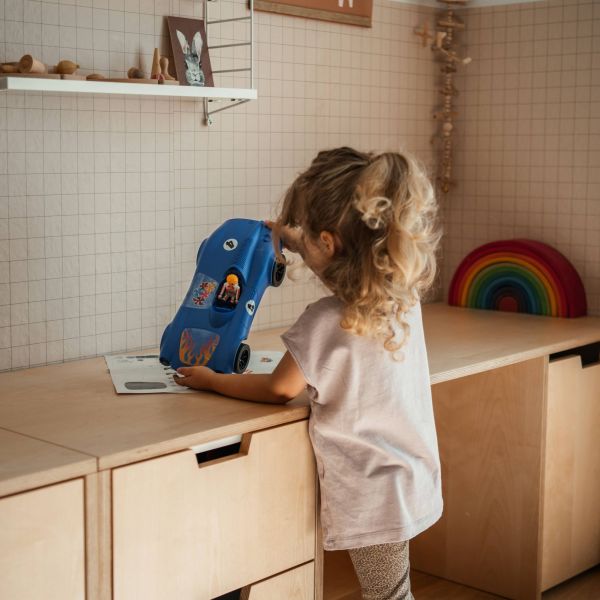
{"points": [[190, 51], [348, 12]]}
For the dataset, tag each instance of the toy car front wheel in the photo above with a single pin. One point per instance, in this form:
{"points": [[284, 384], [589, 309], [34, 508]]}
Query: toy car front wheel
{"points": [[278, 273], [242, 358]]}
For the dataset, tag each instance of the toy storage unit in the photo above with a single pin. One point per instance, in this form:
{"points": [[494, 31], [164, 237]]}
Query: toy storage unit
{"points": [[173, 507], [188, 530], [571, 498], [42, 522], [518, 415]]}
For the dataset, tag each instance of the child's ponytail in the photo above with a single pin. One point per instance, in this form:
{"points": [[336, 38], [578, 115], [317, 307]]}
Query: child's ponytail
{"points": [[383, 210]]}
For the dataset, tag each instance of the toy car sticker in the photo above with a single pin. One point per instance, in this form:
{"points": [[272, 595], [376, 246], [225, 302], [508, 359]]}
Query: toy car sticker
{"points": [[196, 346], [250, 307], [202, 292], [230, 244]]}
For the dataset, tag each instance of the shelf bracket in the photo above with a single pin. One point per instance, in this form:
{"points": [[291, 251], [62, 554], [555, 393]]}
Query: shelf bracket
{"points": [[208, 120]]}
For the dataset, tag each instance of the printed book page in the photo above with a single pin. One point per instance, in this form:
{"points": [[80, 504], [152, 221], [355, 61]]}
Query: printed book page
{"points": [[144, 374]]}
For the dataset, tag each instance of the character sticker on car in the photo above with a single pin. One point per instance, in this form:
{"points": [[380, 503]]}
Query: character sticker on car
{"points": [[196, 346], [202, 292], [230, 244], [250, 307]]}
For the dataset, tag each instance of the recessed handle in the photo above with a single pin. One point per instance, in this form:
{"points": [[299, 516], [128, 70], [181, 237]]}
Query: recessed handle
{"points": [[588, 354], [218, 449]]}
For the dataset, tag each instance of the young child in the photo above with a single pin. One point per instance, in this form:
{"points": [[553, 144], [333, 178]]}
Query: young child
{"points": [[365, 225]]}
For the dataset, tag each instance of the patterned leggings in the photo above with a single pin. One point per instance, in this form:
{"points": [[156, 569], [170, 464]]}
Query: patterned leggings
{"points": [[383, 571]]}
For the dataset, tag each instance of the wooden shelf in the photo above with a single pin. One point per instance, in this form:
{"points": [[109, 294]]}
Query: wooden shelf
{"points": [[71, 86]]}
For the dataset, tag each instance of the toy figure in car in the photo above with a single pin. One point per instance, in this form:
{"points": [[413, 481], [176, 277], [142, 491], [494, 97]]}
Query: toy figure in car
{"points": [[234, 266], [230, 290]]}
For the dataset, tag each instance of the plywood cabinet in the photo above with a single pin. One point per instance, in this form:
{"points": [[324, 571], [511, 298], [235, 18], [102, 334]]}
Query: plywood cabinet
{"points": [[188, 530], [571, 508], [42, 544], [520, 470], [520, 454], [295, 584]]}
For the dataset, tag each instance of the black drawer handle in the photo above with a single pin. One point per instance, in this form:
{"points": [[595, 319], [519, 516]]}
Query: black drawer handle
{"points": [[589, 354]]}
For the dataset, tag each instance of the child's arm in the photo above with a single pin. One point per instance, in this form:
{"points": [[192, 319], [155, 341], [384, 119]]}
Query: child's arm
{"points": [[281, 386]]}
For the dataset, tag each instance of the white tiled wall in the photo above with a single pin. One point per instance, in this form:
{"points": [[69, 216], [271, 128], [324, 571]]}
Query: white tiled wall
{"points": [[104, 200], [528, 134]]}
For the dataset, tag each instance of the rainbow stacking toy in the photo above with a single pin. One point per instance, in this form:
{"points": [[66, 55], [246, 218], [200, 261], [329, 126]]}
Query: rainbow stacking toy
{"points": [[518, 276]]}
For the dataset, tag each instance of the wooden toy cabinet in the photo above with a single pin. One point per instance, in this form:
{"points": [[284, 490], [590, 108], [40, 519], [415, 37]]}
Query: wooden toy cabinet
{"points": [[145, 511], [517, 415], [112, 497], [42, 524]]}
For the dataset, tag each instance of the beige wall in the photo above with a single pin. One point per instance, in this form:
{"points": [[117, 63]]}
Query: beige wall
{"points": [[104, 200], [528, 143]]}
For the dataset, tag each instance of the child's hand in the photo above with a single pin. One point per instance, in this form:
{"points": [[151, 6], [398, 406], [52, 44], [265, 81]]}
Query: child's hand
{"points": [[291, 237], [199, 378]]}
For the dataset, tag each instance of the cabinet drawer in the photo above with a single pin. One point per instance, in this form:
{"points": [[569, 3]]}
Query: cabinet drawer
{"points": [[571, 519], [189, 530], [42, 544], [295, 584]]}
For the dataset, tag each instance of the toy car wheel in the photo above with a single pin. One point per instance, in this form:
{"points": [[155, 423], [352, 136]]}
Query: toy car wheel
{"points": [[278, 273], [242, 358]]}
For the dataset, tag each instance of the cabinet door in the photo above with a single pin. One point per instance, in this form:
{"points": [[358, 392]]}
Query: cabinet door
{"points": [[196, 531], [295, 584], [42, 544], [571, 521]]}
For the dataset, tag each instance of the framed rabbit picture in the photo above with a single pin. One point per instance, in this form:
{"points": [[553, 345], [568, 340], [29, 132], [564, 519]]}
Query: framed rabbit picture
{"points": [[190, 51]]}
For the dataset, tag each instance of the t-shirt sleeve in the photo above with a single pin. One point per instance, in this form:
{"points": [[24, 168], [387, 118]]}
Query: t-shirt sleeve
{"points": [[302, 342]]}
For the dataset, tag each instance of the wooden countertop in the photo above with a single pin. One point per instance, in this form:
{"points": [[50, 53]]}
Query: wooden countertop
{"points": [[27, 463], [74, 404], [463, 341]]}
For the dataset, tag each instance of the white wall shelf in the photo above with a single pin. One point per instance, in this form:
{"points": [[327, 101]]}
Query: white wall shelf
{"points": [[72, 86]]}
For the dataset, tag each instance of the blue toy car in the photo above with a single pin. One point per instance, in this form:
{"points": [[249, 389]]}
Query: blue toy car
{"points": [[233, 269]]}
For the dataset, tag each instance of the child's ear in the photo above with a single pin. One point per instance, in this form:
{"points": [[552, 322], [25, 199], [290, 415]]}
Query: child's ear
{"points": [[328, 242]]}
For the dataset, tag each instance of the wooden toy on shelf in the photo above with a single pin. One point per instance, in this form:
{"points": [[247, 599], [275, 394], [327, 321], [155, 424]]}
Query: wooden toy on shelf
{"points": [[155, 72], [135, 73], [164, 69], [95, 77], [443, 44], [66, 67], [9, 67], [28, 64]]}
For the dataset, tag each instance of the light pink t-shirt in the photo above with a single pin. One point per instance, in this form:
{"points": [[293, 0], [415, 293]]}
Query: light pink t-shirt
{"points": [[371, 427]]}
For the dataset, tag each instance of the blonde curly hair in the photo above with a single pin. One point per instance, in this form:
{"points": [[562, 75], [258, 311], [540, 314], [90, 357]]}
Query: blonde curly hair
{"points": [[383, 211]]}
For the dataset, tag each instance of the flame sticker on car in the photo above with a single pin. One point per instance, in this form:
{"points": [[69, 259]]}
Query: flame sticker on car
{"points": [[197, 346]]}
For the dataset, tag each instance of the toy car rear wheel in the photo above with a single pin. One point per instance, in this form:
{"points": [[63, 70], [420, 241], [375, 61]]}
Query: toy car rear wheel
{"points": [[242, 358], [278, 273]]}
